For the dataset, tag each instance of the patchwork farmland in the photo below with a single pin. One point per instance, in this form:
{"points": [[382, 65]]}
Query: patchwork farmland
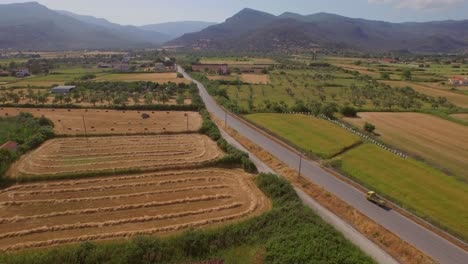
{"points": [[73, 121], [67, 156], [438, 141], [60, 212]]}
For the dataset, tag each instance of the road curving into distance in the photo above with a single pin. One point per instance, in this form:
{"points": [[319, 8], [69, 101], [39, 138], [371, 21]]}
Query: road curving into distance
{"points": [[427, 241]]}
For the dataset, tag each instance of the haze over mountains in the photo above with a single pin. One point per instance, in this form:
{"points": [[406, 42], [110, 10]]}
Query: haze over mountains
{"points": [[259, 31], [34, 26]]}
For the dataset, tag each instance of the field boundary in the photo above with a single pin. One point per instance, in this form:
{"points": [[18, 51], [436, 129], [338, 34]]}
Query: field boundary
{"points": [[422, 222]]}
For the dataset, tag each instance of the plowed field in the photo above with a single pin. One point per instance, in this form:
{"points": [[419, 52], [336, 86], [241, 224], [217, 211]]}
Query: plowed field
{"points": [[61, 212]]}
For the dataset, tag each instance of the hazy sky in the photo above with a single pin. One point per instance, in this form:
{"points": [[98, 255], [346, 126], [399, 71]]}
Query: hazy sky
{"points": [[139, 12]]}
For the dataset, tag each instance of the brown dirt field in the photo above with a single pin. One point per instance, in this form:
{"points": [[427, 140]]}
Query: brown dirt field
{"points": [[150, 77], [457, 99], [60, 212], [437, 140], [402, 251], [251, 61], [222, 77], [71, 156], [112, 121], [360, 69], [463, 117], [255, 78]]}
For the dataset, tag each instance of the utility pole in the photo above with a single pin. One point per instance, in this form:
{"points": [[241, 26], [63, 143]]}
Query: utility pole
{"points": [[225, 118], [300, 164]]}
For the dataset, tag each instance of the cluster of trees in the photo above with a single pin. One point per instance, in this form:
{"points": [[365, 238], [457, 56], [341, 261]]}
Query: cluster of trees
{"points": [[289, 233], [110, 93], [29, 132]]}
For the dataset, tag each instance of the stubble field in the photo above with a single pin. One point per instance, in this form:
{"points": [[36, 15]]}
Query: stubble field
{"points": [[61, 212], [72, 156], [98, 121], [440, 142]]}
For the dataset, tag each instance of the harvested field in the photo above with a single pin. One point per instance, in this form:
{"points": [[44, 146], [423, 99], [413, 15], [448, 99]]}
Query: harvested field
{"points": [[463, 117], [61, 212], [71, 156], [440, 142], [149, 77], [70, 122], [255, 78], [455, 98]]}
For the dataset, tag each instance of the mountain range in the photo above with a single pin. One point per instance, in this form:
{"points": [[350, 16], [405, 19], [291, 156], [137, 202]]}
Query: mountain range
{"points": [[252, 30], [35, 27]]}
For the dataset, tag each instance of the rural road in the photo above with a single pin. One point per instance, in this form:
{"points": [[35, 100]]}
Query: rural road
{"points": [[427, 241]]}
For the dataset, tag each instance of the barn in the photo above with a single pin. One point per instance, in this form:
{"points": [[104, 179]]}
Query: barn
{"points": [[62, 89]]}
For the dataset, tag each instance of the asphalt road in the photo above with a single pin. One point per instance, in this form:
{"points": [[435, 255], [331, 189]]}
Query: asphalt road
{"points": [[427, 241]]}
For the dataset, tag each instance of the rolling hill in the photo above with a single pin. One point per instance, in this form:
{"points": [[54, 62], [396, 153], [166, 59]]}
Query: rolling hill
{"points": [[254, 30], [34, 26]]}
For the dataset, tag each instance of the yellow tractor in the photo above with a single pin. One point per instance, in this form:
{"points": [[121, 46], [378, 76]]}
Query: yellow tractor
{"points": [[373, 197]]}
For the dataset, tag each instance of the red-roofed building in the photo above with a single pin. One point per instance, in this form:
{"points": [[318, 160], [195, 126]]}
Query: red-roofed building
{"points": [[10, 145], [458, 80]]}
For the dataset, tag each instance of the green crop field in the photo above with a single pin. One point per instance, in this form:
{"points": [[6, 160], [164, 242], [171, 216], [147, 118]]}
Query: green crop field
{"points": [[426, 191], [318, 136]]}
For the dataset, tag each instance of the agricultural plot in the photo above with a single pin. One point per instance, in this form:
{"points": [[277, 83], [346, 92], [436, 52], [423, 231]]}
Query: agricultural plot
{"points": [[236, 61], [149, 77], [318, 136], [74, 121], [426, 191], [61, 212], [78, 156], [455, 98], [438, 141], [245, 78], [463, 117]]}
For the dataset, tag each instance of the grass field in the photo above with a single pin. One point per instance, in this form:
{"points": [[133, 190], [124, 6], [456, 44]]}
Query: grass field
{"points": [[438, 141], [415, 185], [117, 207], [73, 121], [76, 156], [318, 136], [456, 98], [150, 77]]}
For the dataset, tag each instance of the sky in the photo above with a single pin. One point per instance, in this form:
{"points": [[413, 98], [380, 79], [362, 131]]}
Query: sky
{"points": [[141, 12]]}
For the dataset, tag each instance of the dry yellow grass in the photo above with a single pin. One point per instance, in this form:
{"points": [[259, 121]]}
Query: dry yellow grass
{"points": [[150, 77], [255, 78], [60, 212], [72, 156], [439, 141], [463, 117], [457, 99], [99, 121]]}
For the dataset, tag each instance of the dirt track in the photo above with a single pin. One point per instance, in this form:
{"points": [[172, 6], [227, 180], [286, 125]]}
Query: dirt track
{"points": [[54, 213], [70, 121], [84, 155]]}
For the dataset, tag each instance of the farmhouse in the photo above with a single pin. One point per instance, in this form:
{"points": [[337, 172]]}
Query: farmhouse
{"points": [[218, 68], [159, 67], [21, 73], [10, 145], [122, 67], [458, 80], [62, 89]]}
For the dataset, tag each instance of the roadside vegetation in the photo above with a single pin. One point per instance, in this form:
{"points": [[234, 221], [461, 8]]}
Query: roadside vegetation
{"points": [[274, 237]]}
